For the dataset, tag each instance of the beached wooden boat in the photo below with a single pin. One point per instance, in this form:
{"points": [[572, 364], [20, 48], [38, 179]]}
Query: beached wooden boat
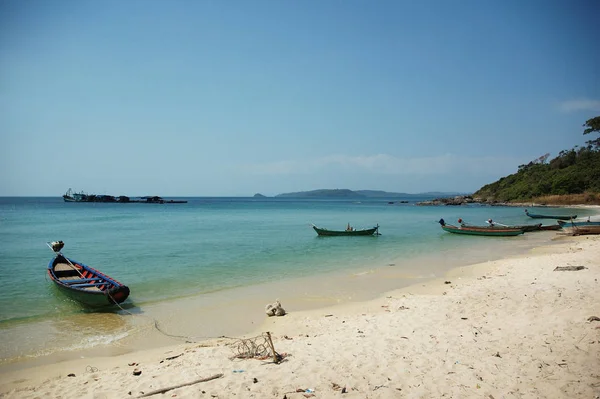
{"points": [[84, 283], [362, 232], [559, 217], [492, 231], [571, 223], [551, 227], [585, 230]]}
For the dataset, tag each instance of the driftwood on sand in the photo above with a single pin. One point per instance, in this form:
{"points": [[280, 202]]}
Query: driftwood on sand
{"points": [[568, 268], [163, 390]]}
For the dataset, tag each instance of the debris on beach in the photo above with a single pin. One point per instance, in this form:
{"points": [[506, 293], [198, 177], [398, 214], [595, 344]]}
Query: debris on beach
{"points": [[569, 268], [259, 347], [163, 390], [172, 357], [593, 318], [274, 309]]}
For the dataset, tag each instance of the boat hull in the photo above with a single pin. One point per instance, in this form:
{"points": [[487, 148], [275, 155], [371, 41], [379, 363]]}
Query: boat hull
{"points": [[85, 284], [527, 227], [559, 217], [574, 223], [551, 227], [585, 230], [535, 227], [96, 299], [331, 233], [482, 231]]}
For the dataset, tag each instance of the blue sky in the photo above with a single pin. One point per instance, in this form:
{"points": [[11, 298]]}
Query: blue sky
{"points": [[231, 98]]}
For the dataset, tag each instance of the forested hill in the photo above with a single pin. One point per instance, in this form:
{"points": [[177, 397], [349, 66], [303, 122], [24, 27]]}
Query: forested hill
{"points": [[571, 172], [575, 171]]}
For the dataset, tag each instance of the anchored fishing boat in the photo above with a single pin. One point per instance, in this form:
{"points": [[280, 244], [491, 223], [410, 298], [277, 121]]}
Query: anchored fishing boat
{"points": [[526, 227], [579, 222], [559, 217], [348, 232], [491, 231], [84, 283]]}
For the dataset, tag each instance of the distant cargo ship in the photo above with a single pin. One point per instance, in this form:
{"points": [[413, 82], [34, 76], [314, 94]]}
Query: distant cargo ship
{"points": [[70, 196]]}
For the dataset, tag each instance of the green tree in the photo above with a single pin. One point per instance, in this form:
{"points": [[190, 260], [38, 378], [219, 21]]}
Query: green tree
{"points": [[591, 126]]}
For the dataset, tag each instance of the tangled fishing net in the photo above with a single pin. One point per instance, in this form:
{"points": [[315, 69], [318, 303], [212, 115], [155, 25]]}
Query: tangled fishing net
{"points": [[248, 348]]}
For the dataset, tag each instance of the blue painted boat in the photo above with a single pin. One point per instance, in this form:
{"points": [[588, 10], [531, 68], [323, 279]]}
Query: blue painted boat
{"points": [[83, 283], [572, 223]]}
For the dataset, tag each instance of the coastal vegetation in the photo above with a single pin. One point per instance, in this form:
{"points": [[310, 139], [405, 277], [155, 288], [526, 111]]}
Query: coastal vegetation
{"points": [[573, 177]]}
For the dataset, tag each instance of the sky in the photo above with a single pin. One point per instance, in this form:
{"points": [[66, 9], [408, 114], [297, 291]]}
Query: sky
{"points": [[233, 98]]}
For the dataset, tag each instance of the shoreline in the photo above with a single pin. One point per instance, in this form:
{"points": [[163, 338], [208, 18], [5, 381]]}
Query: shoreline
{"points": [[427, 339], [236, 312]]}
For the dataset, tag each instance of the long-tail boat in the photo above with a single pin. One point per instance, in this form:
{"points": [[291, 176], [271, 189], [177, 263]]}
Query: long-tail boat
{"points": [[579, 222], [492, 231], [526, 227], [584, 230], [348, 232], [83, 283], [559, 217]]}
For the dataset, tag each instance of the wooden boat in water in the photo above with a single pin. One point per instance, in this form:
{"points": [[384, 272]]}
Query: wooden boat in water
{"points": [[527, 227], [84, 283], [348, 232], [559, 217], [492, 231], [578, 223]]}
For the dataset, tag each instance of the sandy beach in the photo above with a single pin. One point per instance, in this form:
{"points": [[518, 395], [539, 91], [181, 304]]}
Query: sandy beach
{"points": [[511, 328]]}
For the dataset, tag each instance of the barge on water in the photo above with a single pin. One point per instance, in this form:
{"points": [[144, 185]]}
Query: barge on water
{"points": [[71, 196]]}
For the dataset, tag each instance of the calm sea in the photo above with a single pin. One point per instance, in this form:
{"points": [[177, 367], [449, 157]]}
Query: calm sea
{"points": [[178, 255]]}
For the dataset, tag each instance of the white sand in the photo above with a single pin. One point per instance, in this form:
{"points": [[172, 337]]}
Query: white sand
{"points": [[513, 328]]}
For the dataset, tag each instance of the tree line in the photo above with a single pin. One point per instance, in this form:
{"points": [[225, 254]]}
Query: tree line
{"points": [[574, 171]]}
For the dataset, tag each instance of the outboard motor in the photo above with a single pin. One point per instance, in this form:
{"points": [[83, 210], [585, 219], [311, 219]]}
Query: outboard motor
{"points": [[57, 246], [442, 222]]}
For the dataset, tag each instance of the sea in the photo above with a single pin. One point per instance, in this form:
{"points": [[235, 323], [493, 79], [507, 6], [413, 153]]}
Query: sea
{"points": [[207, 268]]}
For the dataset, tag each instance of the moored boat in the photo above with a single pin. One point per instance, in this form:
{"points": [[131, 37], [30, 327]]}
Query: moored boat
{"points": [[526, 227], [70, 196], [84, 283], [348, 232], [492, 231], [579, 222], [559, 217]]}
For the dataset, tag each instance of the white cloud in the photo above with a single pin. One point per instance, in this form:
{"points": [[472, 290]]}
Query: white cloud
{"points": [[580, 105]]}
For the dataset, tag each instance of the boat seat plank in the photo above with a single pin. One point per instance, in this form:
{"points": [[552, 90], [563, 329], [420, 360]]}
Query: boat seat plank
{"points": [[81, 280], [89, 284], [92, 288], [63, 267]]}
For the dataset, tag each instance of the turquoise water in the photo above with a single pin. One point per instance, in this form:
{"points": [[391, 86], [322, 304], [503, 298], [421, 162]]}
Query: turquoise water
{"points": [[168, 252]]}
